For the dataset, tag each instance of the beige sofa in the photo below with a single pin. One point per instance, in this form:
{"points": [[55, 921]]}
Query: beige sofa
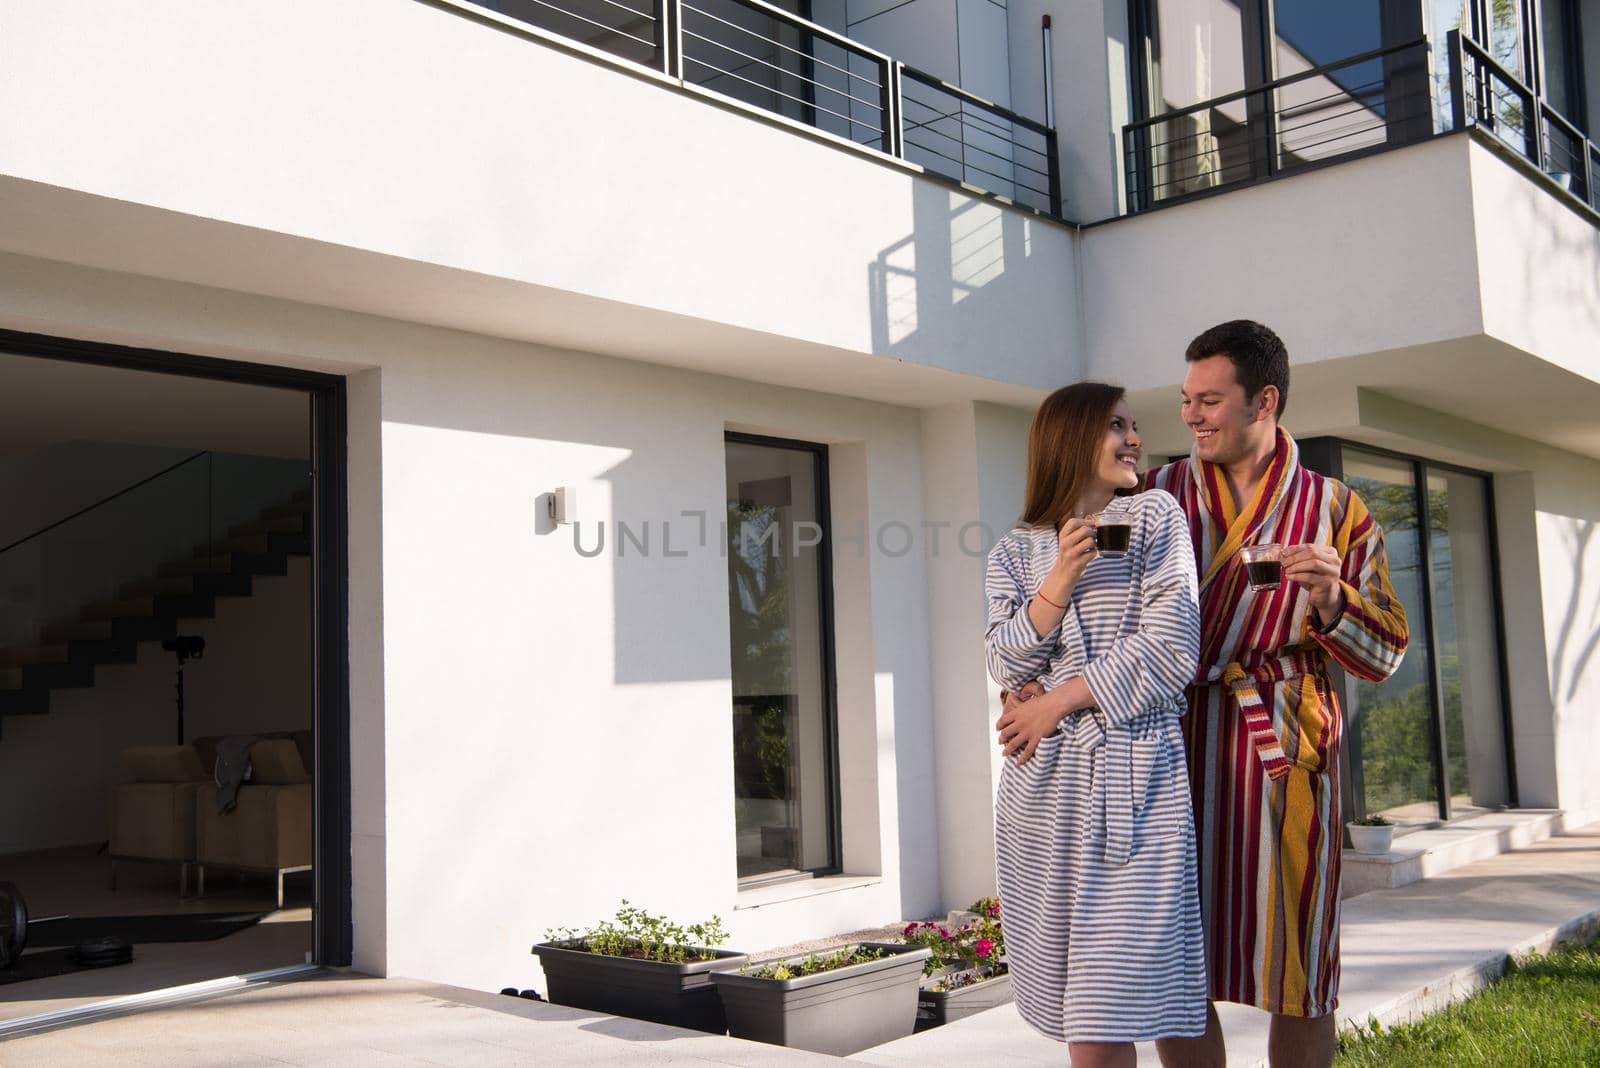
{"points": [[269, 830], [153, 817], [170, 814]]}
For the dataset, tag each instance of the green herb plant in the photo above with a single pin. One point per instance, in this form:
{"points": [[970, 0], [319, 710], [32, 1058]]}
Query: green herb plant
{"points": [[1373, 820], [635, 933]]}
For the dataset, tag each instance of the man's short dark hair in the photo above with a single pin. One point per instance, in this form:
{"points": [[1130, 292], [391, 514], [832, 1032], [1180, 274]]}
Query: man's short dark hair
{"points": [[1259, 358]]}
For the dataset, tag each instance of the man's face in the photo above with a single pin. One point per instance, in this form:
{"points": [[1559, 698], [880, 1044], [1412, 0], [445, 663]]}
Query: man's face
{"points": [[1226, 424]]}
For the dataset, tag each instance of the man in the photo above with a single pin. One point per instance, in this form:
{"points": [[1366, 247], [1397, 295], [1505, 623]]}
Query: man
{"points": [[1264, 724]]}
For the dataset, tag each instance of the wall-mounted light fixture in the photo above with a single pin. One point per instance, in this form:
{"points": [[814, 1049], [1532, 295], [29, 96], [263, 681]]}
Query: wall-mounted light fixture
{"points": [[563, 504]]}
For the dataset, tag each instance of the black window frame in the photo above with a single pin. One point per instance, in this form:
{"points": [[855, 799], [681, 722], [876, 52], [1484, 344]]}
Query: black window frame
{"points": [[830, 687], [1401, 25], [332, 932]]}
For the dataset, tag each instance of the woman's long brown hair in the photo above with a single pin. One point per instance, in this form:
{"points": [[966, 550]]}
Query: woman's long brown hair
{"points": [[1063, 446]]}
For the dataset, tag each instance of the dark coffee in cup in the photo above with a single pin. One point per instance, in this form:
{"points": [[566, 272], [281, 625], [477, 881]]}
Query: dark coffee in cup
{"points": [[1265, 574], [1111, 536]]}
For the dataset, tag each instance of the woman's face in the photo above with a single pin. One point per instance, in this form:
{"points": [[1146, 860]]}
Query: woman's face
{"points": [[1118, 463]]}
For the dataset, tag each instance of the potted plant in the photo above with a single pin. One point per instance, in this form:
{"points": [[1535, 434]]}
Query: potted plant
{"points": [[966, 970], [1372, 835], [642, 966], [840, 1002]]}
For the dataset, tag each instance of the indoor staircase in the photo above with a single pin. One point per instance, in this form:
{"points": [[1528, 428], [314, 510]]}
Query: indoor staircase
{"points": [[109, 632]]}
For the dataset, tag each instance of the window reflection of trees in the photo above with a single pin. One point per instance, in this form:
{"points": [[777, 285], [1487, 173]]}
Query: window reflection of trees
{"points": [[1396, 716]]}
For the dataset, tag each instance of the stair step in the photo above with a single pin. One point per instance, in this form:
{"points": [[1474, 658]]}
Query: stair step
{"points": [[24, 702], [127, 607], [73, 674], [1431, 851], [23, 655], [166, 586], [94, 630], [122, 649], [252, 543], [280, 511], [288, 524], [221, 563]]}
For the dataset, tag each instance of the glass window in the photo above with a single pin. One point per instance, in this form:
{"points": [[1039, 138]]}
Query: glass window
{"points": [[1562, 56], [784, 791], [1196, 54], [1343, 110], [1393, 720], [1444, 16], [1464, 622]]}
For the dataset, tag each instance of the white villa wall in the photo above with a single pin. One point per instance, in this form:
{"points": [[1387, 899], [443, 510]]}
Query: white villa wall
{"points": [[1092, 53], [57, 770], [683, 212], [1334, 260], [1540, 265], [499, 678]]}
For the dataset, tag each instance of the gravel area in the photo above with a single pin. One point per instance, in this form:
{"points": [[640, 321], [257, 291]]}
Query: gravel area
{"points": [[887, 933]]}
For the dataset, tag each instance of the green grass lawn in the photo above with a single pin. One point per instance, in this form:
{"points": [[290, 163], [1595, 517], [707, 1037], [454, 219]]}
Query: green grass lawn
{"points": [[1545, 1012]]}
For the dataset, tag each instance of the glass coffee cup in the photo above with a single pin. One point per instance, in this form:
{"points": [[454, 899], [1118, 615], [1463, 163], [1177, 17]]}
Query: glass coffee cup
{"points": [[1112, 531], [1263, 565]]}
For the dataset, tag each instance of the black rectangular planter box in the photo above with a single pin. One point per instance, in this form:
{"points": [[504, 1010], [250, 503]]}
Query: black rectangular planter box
{"points": [[676, 994], [839, 1012], [936, 1008]]}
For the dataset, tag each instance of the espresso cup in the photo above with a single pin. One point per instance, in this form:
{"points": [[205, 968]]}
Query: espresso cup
{"points": [[1112, 531], [1263, 565]]}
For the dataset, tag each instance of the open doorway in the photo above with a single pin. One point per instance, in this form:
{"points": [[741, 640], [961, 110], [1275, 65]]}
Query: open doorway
{"points": [[173, 720]]}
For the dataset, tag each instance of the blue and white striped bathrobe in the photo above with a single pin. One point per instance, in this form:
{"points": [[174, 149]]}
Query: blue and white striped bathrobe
{"points": [[1094, 836]]}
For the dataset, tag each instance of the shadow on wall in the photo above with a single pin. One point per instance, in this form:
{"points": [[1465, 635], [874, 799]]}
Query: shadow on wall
{"points": [[1579, 634], [969, 270]]}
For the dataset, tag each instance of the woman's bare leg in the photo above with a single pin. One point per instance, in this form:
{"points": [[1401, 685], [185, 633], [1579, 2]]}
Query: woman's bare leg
{"points": [[1101, 1055], [1206, 1051]]}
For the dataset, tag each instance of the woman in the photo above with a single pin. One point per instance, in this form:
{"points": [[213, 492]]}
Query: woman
{"points": [[1093, 830]]}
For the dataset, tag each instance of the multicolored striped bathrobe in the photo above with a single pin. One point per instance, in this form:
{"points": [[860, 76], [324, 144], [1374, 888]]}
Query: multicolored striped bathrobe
{"points": [[1094, 835], [1264, 726]]}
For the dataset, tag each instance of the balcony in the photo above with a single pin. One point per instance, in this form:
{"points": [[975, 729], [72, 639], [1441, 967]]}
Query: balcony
{"points": [[1372, 102], [755, 56]]}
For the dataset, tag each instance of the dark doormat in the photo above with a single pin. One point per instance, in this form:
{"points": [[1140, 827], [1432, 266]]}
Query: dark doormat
{"points": [[172, 927], [43, 964]]}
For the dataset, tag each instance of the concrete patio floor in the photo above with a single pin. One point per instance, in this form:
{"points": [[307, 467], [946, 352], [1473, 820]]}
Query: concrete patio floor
{"points": [[1406, 950], [386, 1023]]}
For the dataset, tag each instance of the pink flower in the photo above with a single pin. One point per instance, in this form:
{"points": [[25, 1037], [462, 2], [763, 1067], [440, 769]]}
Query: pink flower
{"points": [[984, 947], [910, 930], [943, 933], [994, 910]]}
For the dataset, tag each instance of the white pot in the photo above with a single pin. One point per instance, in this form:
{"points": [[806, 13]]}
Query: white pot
{"points": [[1370, 840]]}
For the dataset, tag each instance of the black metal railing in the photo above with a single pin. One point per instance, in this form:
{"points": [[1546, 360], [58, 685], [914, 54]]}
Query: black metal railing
{"points": [[761, 56], [1364, 103], [951, 131], [1486, 95]]}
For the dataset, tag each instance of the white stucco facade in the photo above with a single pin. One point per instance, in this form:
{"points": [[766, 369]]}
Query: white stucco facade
{"points": [[536, 270]]}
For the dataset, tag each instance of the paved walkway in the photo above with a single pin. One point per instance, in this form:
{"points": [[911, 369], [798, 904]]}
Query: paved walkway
{"points": [[342, 1021], [1405, 950]]}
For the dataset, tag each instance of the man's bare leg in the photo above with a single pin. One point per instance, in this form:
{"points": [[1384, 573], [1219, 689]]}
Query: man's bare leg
{"points": [[1101, 1055], [1302, 1041], [1207, 1051]]}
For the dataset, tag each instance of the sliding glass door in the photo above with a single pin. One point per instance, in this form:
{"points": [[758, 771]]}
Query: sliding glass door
{"points": [[1430, 742]]}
